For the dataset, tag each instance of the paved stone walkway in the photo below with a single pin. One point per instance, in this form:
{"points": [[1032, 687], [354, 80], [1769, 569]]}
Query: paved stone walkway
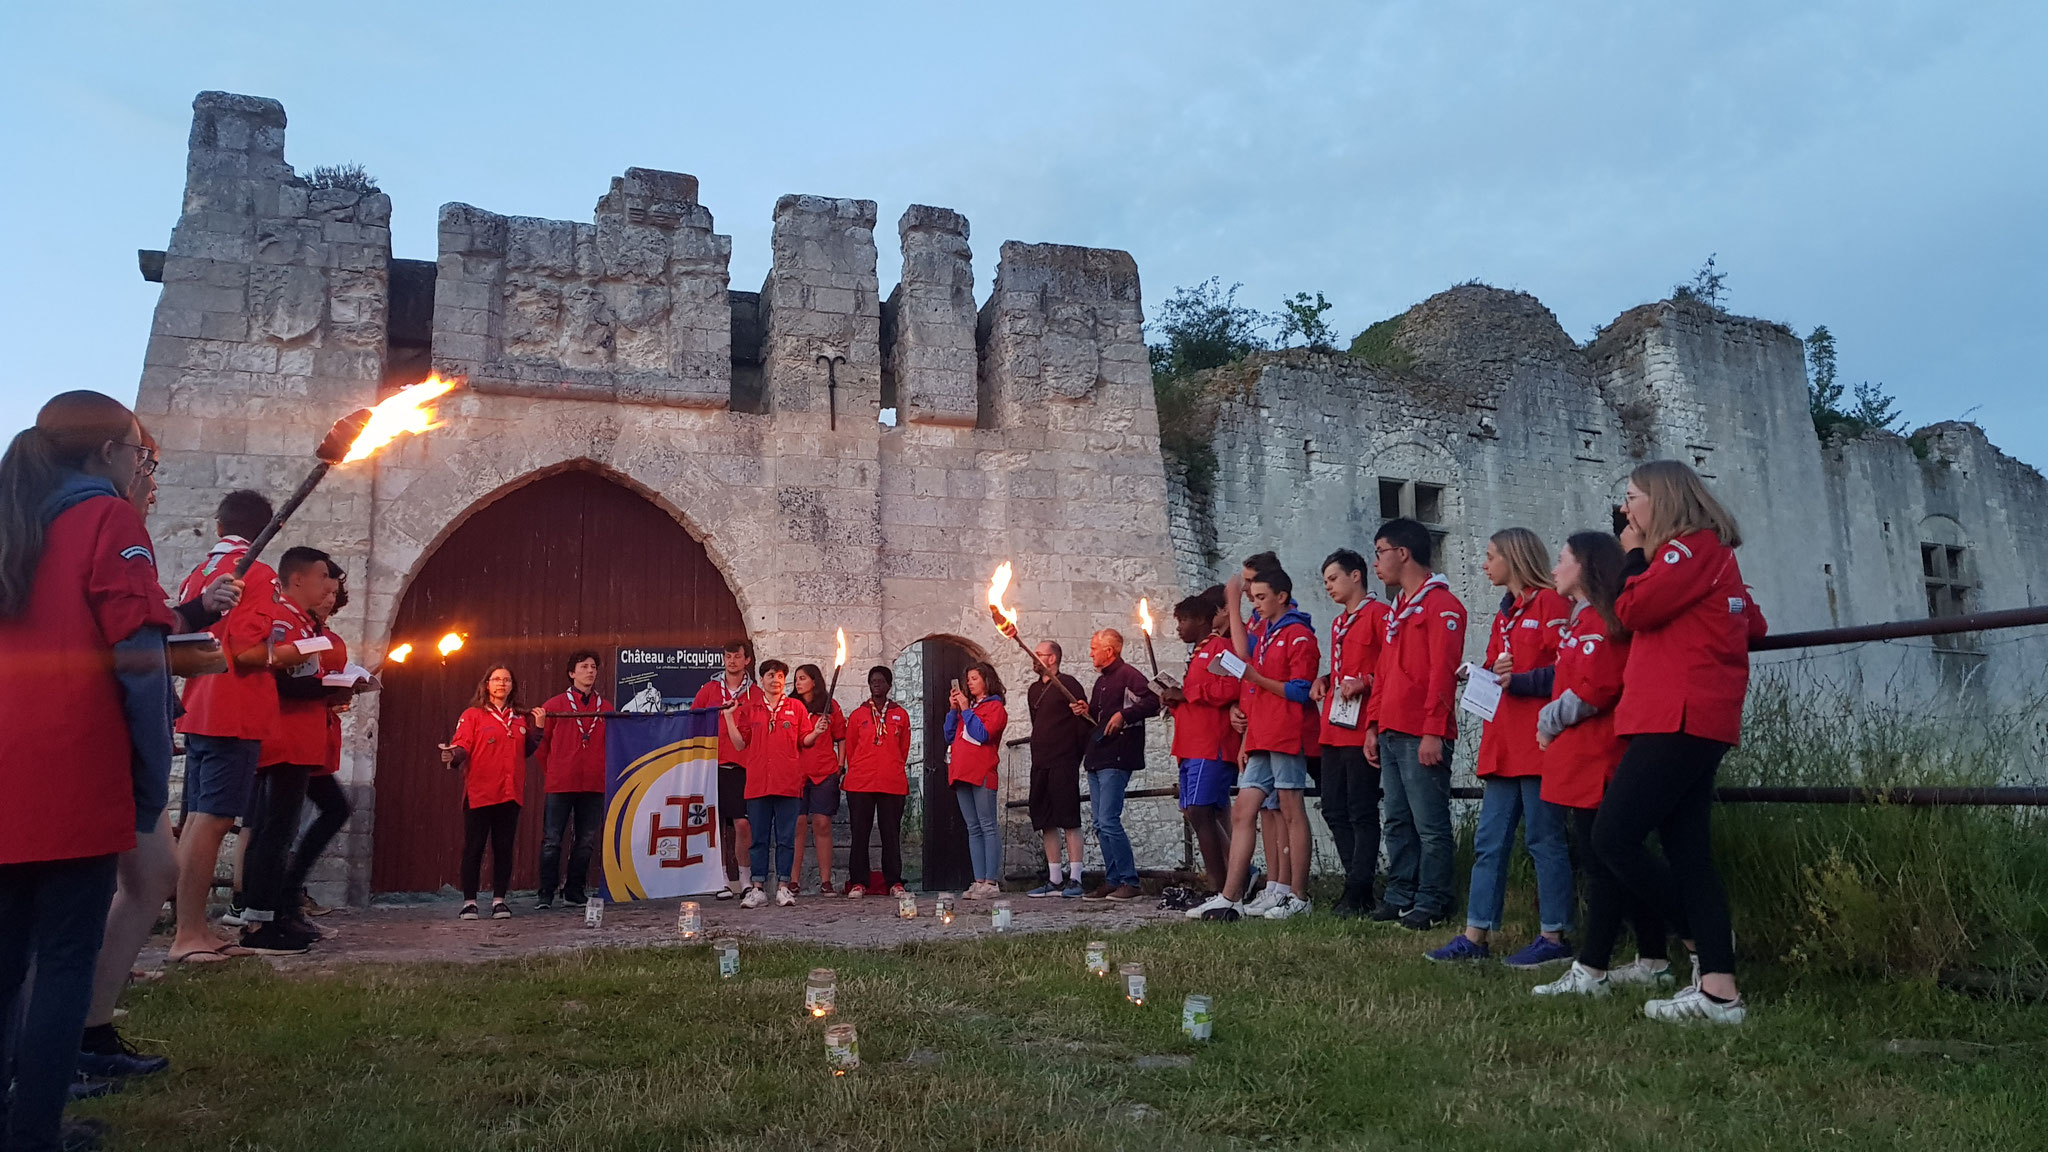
{"points": [[431, 931]]}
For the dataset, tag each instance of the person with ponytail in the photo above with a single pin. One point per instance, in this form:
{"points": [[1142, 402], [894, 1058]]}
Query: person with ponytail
{"points": [[818, 750], [1681, 711], [85, 699]]}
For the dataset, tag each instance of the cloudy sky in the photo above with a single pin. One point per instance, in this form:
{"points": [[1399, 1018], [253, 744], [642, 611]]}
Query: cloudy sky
{"points": [[1881, 168]]}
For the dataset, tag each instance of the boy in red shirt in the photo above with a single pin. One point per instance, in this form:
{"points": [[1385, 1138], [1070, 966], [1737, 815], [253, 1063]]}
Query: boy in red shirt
{"points": [[1411, 727], [1203, 741], [734, 687], [1351, 785], [572, 757], [877, 782], [770, 732]]}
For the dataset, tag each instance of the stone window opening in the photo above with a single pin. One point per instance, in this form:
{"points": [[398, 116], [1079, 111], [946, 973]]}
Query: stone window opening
{"points": [[1945, 577], [1421, 501]]}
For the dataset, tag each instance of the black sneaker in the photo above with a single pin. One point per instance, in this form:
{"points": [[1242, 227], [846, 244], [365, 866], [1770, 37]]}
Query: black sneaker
{"points": [[270, 940], [1385, 913], [1416, 920], [87, 1088], [545, 902], [105, 1052], [574, 899], [1180, 899], [1227, 915], [500, 910], [468, 910]]}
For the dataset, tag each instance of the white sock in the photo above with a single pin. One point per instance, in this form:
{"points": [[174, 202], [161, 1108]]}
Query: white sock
{"points": [[746, 879], [1281, 889], [1054, 869]]}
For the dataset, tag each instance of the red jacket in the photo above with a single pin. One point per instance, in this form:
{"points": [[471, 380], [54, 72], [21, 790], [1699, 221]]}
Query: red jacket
{"points": [[240, 703], [1580, 762], [714, 695], [1688, 667], [1529, 630], [774, 762], [1356, 638], [821, 759], [1201, 725], [333, 661], [972, 758], [299, 735], [66, 789], [1415, 686], [1283, 650], [877, 748], [496, 742], [571, 752]]}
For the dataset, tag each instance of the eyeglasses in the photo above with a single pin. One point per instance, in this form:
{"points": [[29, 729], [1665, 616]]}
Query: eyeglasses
{"points": [[145, 458]]}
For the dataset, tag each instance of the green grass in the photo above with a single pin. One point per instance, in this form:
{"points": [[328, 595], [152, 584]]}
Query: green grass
{"points": [[1327, 1034]]}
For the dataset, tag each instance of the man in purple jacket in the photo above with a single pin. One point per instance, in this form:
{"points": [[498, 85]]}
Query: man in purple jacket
{"points": [[1120, 703]]}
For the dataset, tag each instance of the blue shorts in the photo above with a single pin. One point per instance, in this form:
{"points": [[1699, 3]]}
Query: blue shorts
{"points": [[1206, 783], [220, 775], [1270, 772], [821, 797]]}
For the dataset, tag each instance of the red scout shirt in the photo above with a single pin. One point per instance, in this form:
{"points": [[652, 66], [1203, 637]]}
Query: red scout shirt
{"points": [[1688, 664], [774, 762], [496, 741], [240, 703], [821, 759], [68, 788], [1528, 629], [332, 661], [1283, 650], [714, 694], [1415, 686], [877, 749], [1201, 725], [571, 752], [1580, 762], [1355, 641], [299, 735], [972, 761]]}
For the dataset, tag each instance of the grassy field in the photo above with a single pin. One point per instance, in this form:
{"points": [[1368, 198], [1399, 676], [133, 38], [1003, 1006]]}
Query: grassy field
{"points": [[1327, 1035]]}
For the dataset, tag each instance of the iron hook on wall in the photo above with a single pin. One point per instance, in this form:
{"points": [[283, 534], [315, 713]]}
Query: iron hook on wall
{"points": [[831, 364]]}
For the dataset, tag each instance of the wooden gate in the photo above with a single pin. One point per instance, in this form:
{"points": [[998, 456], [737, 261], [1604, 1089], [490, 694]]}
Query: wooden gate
{"points": [[947, 865], [572, 560]]}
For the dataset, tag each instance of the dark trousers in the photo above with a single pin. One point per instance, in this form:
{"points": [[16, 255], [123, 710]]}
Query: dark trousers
{"points": [[331, 810], [52, 914], [497, 823], [280, 793], [587, 808], [1351, 807], [1665, 784], [1608, 901], [862, 809]]}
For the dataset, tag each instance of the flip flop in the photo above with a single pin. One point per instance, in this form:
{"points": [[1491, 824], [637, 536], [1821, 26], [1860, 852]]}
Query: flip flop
{"points": [[220, 955]]}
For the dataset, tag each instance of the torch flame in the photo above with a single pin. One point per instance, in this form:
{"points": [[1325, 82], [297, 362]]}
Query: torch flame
{"points": [[997, 585], [410, 411], [452, 642], [1144, 616], [840, 659], [397, 655]]}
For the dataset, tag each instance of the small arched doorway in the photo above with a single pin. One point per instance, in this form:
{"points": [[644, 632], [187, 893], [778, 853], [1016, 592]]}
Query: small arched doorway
{"points": [[571, 560], [925, 673]]}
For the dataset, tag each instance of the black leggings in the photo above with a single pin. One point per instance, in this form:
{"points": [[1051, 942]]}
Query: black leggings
{"points": [[862, 808], [1608, 901], [498, 822], [1665, 784], [280, 793], [332, 810]]}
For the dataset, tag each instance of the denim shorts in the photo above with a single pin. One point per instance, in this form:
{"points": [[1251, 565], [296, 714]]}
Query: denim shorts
{"points": [[1270, 772], [220, 775]]}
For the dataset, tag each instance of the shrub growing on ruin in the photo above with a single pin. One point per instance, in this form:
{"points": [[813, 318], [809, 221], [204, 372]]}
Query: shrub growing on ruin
{"points": [[347, 177], [1301, 317]]}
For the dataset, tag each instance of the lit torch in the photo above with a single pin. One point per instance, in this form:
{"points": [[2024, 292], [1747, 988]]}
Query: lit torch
{"points": [[356, 436], [1145, 625], [1006, 622], [838, 662], [398, 655], [449, 645]]}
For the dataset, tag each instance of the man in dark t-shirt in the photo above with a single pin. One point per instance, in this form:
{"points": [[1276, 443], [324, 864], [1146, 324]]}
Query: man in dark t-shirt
{"points": [[1059, 739]]}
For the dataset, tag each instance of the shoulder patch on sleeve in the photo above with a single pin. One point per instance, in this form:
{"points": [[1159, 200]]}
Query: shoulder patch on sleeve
{"points": [[1671, 556], [1450, 621], [1680, 545], [138, 552]]}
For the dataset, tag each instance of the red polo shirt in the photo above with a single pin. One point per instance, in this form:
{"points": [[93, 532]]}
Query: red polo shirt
{"points": [[571, 751], [1527, 629], [774, 764], [1415, 687], [714, 694], [240, 703], [877, 749]]}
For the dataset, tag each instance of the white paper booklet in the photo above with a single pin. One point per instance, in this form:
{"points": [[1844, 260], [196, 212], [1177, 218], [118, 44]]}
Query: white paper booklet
{"points": [[1344, 713], [1229, 663], [1482, 692]]}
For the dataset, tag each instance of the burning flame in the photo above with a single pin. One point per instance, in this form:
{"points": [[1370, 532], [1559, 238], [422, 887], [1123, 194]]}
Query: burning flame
{"points": [[997, 585], [397, 655], [1144, 616], [410, 411], [452, 642], [840, 659]]}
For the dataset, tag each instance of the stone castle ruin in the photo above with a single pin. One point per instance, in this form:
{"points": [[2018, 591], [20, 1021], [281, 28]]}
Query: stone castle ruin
{"points": [[1024, 429]]}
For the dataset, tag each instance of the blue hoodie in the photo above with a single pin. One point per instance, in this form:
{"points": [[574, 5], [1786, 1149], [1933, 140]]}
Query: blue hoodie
{"points": [[1297, 690]]}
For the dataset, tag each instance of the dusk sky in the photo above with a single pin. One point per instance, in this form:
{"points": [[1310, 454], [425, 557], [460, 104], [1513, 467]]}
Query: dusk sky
{"points": [[1881, 168]]}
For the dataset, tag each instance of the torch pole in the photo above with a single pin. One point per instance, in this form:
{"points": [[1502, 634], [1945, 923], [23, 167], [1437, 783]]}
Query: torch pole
{"points": [[832, 693], [278, 518], [1151, 656], [1009, 630]]}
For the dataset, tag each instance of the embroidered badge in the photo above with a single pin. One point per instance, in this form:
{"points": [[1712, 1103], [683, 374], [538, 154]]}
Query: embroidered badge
{"points": [[1671, 557], [1735, 605], [137, 552]]}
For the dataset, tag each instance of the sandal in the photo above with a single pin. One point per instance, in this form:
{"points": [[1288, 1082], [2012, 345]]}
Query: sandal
{"points": [[469, 910], [220, 955], [500, 910]]}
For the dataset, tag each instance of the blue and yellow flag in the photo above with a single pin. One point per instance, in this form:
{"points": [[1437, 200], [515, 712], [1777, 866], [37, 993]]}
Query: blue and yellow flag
{"points": [[661, 805]]}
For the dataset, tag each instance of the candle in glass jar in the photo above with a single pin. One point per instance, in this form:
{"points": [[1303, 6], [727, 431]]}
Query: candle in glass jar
{"points": [[1197, 1016], [999, 916], [842, 1048], [1097, 958], [906, 906], [1134, 981], [943, 907], [728, 950], [690, 922], [821, 992], [593, 912]]}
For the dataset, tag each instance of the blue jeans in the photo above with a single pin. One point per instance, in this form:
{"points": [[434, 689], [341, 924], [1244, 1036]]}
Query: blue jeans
{"points": [[588, 810], [773, 816], [52, 914], [1511, 800], [1106, 788], [984, 835], [1420, 847]]}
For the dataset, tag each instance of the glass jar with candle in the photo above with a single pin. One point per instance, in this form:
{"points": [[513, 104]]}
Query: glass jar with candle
{"points": [[942, 907], [999, 915], [728, 950], [593, 912], [1134, 981], [1097, 958], [906, 906], [842, 1048], [690, 922], [820, 992], [1197, 1016]]}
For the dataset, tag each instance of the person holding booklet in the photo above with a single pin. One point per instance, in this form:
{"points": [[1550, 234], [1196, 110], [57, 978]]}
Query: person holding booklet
{"points": [[1351, 785]]}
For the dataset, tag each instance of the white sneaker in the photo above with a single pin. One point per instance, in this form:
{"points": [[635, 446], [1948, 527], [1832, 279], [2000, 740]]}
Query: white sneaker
{"points": [[1264, 902], [784, 896], [754, 897], [1639, 973], [1694, 1004], [1290, 906], [1215, 903], [1578, 980]]}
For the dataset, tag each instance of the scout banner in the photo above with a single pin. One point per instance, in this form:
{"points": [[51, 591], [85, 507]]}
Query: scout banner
{"points": [[661, 806]]}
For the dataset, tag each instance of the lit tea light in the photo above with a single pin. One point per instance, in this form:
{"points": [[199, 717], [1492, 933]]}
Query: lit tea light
{"points": [[842, 1048], [1134, 981], [942, 907], [728, 950], [999, 916], [690, 922], [906, 906], [821, 992], [1097, 958], [593, 912], [1197, 1016]]}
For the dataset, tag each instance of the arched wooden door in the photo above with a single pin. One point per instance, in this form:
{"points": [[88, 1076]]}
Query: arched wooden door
{"points": [[572, 560]]}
